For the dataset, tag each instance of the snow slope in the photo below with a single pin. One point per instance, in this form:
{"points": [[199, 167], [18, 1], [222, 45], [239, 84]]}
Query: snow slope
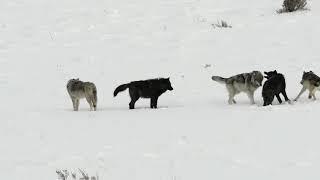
{"points": [[194, 134]]}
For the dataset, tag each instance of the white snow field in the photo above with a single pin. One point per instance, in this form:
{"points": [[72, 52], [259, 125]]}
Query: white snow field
{"points": [[195, 134]]}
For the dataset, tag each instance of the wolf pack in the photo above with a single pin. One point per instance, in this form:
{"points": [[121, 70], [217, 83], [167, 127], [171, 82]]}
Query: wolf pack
{"points": [[152, 89]]}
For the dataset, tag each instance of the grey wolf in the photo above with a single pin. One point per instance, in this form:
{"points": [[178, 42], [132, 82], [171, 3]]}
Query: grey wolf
{"points": [[275, 85], [151, 88], [311, 82], [245, 82], [78, 90]]}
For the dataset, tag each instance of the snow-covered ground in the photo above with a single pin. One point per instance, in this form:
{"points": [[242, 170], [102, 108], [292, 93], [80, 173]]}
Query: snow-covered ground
{"points": [[194, 134]]}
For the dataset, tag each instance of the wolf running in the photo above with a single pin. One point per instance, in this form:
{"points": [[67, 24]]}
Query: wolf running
{"points": [[247, 83]]}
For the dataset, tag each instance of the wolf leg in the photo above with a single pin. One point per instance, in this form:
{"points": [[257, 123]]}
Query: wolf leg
{"points": [[313, 93], [285, 95], [251, 97], [94, 103], [89, 100], [301, 92], [265, 103], [134, 98], [311, 88], [74, 104], [77, 104], [279, 99], [154, 102], [132, 103], [151, 102], [231, 94], [231, 98]]}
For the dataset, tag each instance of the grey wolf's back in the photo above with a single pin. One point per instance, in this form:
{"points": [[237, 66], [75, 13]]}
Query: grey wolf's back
{"points": [[75, 86]]}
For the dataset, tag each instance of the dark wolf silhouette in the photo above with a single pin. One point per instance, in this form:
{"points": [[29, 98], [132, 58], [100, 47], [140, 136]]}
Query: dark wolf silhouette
{"points": [[151, 88], [274, 85]]}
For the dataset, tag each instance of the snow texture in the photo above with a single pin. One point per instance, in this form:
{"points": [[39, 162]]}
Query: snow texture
{"points": [[195, 134]]}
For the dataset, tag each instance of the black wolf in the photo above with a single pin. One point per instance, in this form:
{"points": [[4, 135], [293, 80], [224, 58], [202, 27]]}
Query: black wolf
{"points": [[275, 85], [151, 88]]}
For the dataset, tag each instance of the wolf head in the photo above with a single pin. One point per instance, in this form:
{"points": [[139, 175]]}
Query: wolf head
{"points": [[73, 80], [256, 78], [311, 77], [306, 76], [166, 84], [270, 74]]}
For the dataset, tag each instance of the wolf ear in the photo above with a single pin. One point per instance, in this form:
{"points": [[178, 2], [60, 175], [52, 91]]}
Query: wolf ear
{"points": [[275, 71]]}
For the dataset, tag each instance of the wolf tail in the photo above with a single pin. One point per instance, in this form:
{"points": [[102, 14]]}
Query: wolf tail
{"points": [[95, 97], [219, 79], [120, 88]]}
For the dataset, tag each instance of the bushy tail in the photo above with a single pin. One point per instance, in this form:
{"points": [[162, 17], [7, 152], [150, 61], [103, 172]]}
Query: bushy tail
{"points": [[120, 88], [219, 79], [95, 97]]}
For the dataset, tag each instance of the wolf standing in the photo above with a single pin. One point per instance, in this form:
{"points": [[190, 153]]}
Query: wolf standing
{"points": [[275, 85], [151, 88], [245, 82], [311, 82], [78, 90]]}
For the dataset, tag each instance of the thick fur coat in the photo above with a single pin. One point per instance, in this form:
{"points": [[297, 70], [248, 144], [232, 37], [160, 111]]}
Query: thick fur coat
{"points": [[78, 90], [152, 88], [275, 85], [311, 82], [245, 82]]}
